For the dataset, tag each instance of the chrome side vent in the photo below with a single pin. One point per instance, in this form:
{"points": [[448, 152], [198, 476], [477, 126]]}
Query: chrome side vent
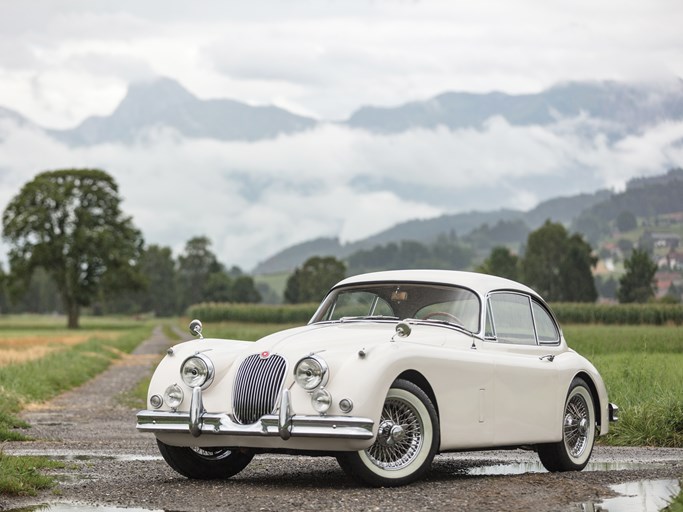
{"points": [[257, 385]]}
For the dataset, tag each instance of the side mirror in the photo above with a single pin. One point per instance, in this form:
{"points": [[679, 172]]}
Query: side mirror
{"points": [[403, 330], [196, 328]]}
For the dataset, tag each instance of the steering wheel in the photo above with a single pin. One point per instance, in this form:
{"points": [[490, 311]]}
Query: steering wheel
{"points": [[444, 314]]}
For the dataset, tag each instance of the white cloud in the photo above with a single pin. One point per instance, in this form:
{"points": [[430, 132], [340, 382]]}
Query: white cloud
{"points": [[326, 58]]}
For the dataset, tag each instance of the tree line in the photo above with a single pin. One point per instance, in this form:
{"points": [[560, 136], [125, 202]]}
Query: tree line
{"points": [[72, 247]]}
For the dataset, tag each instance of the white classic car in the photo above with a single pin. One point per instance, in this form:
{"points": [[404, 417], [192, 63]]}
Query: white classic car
{"points": [[393, 368]]}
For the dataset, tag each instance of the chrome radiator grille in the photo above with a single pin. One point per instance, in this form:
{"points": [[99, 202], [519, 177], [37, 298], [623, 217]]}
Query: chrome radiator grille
{"points": [[257, 385]]}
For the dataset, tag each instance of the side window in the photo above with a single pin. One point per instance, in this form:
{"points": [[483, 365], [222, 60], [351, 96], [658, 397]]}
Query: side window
{"points": [[512, 318], [489, 332], [545, 326]]}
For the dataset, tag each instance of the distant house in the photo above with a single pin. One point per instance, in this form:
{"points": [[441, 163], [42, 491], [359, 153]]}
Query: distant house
{"points": [[672, 261], [670, 240], [664, 281]]}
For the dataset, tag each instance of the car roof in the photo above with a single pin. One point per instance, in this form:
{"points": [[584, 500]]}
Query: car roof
{"points": [[479, 283]]}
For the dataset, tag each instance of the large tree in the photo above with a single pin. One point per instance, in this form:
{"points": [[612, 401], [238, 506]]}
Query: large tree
{"points": [[158, 267], [558, 266], [637, 284], [313, 279], [195, 267], [70, 223], [501, 262]]}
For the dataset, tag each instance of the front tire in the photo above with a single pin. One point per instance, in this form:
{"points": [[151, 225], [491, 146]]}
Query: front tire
{"points": [[205, 463], [406, 442], [578, 432]]}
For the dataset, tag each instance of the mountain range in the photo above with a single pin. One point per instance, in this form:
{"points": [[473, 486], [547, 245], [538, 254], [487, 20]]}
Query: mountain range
{"points": [[165, 104]]}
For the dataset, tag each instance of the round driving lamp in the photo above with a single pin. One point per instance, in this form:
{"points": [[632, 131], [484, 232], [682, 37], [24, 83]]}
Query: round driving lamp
{"points": [[173, 396], [310, 372], [197, 371], [321, 400]]}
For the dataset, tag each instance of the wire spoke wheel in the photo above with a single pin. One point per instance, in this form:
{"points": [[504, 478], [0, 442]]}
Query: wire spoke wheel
{"points": [[406, 441], [400, 436], [578, 432], [576, 421], [212, 453]]}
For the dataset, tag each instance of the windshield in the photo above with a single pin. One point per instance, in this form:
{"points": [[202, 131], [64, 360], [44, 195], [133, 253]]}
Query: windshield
{"points": [[399, 301]]}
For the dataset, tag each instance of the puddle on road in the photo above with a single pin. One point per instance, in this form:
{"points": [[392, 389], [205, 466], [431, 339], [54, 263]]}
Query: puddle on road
{"points": [[67, 455], [643, 496], [519, 468]]}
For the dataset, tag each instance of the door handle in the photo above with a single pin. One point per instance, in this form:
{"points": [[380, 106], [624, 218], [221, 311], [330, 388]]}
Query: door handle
{"points": [[549, 357]]}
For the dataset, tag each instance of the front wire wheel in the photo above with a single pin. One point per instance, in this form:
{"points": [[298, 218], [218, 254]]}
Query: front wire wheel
{"points": [[578, 432], [406, 442], [205, 463]]}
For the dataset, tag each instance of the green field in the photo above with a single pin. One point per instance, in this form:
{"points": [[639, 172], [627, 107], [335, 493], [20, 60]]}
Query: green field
{"points": [[643, 369]]}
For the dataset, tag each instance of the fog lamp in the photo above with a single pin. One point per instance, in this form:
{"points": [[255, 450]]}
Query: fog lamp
{"points": [[173, 396], [321, 399]]}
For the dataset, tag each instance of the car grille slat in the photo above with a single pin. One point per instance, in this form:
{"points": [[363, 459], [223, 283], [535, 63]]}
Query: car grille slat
{"points": [[257, 385]]}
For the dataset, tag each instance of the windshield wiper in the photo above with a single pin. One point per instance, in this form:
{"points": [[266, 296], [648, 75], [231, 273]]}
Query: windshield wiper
{"points": [[440, 322]]}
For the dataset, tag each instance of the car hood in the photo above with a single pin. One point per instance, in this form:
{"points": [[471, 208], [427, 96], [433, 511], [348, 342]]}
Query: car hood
{"points": [[347, 336]]}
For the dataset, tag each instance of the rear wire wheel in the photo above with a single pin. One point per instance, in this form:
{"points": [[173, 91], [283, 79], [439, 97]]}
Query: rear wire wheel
{"points": [[407, 440], [578, 432]]}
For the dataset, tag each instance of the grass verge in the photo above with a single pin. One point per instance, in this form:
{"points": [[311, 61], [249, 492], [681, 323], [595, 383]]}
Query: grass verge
{"points": [[642, 367], [22, 475], [37, 380]]}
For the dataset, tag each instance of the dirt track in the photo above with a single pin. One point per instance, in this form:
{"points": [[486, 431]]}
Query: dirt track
{"points": [[112, 464]]}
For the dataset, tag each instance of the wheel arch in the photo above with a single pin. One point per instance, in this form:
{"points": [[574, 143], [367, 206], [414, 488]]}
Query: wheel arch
{"points": [[421, 381], [597, 406]]}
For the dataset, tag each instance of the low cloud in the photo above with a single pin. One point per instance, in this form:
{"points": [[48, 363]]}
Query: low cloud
{"points": [[253, 199]]}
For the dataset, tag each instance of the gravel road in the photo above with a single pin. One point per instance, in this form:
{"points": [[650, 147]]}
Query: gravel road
{"points": [[110, 463]]}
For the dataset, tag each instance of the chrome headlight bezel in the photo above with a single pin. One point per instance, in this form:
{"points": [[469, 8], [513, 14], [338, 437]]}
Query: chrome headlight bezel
{"points": [[311, 372], [200, 371]]}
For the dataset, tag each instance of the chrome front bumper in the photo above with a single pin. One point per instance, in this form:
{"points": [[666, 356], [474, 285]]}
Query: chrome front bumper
{"points": [[285, 425]]}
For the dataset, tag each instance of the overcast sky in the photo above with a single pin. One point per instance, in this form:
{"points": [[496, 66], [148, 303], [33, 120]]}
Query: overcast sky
{"points": [[61, 61]]}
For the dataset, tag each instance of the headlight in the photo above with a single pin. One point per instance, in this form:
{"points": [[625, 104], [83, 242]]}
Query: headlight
{"points": [[197, 371], [311, 372], [173, 396]]}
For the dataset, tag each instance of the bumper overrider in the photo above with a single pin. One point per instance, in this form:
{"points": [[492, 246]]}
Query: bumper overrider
{"points": [[613, 412], [284, 425]]}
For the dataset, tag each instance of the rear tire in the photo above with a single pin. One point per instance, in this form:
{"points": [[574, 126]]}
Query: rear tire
{"points": [[406, 442], [578, 432], [205, 463]]}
